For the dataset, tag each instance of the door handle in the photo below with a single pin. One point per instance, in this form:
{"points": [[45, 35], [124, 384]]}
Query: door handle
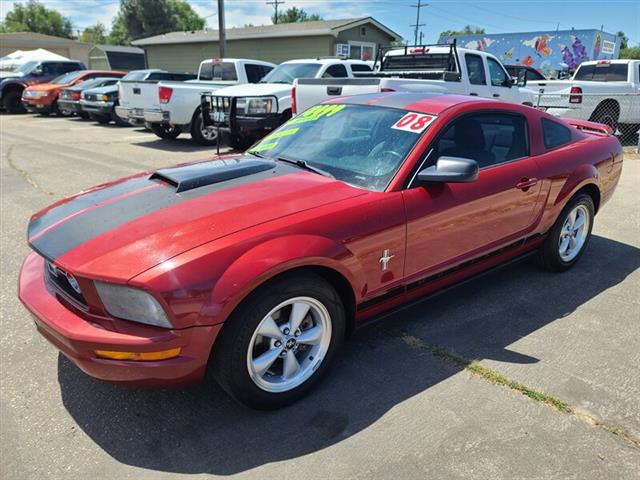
{"points": [[526, 183], [496, 95], [473, 94]]}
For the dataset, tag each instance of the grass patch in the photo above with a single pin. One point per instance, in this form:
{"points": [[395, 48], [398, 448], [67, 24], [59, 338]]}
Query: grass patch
{"points": [[497, 378]]}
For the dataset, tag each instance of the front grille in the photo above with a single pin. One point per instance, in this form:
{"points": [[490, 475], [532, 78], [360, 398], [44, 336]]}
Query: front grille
{"points": [[90, 97], [64, 282], [65, 94]]}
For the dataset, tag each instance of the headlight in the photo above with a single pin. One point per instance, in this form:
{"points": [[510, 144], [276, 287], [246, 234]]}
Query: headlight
{"points": [[105, 98], [35, 93], [259, 105], [132, 304]]}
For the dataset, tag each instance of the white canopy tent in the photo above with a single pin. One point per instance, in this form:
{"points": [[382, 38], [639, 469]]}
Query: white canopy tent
{"points": [[20, 57]]}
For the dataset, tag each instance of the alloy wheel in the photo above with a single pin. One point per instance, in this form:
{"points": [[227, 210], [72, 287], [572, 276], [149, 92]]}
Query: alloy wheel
{"points": [[574, 233]]}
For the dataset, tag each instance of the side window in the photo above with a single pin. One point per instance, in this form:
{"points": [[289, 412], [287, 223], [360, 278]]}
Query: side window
{"points": [[475, 67], [254, 72], [499, 78], [69, 67], [49, 69], [487, 138], [360, 67], [335, 71], [554, 133]]}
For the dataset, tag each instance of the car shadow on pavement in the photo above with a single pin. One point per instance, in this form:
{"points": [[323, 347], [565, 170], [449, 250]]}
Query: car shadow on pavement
{"points": [[201, 430]]}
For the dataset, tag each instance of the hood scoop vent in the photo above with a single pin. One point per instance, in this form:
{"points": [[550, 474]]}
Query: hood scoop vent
{"points": [[201, 174]]}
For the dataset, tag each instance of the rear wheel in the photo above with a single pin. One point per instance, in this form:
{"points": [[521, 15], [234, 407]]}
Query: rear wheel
{"points": [[607, 113], [166, 132], [569, 236], [12, 102], [279, 342], [200, 134]]}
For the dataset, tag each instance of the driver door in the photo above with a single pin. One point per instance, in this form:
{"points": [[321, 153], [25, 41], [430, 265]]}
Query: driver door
{"points": [[449, 223]]}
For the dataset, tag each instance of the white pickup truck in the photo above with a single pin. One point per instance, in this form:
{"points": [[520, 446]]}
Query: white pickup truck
{"points": [[603, 91], [423, 69], [245, 113], [178, 110], [138, 90]]}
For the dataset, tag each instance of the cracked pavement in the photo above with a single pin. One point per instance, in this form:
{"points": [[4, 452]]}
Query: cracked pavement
{"points": [[387, 408]]}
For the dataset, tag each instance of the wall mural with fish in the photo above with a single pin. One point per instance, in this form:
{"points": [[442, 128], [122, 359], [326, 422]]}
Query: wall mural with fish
{"points": [[548, 52]]}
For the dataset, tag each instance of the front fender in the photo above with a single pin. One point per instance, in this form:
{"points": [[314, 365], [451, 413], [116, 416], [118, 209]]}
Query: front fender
{"points": [[271, 258]]}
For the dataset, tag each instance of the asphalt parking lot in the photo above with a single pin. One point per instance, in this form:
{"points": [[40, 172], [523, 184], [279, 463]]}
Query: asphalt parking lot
{"points": [[553, 390]]}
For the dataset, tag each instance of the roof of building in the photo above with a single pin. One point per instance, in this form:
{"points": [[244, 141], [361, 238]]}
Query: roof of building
{"points": [[29, 37], [298, 29], [119, 49]]}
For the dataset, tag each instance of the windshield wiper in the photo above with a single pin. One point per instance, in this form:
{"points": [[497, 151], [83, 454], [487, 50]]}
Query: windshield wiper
{"points": [[305, 165]]}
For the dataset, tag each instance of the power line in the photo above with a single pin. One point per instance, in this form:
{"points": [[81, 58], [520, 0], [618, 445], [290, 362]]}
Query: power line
{"points": [[275, 4], [418, 24]]}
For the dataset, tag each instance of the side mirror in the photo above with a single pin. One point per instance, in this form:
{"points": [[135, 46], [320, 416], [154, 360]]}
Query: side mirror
{"points": [[522, 78], [450, 169]]}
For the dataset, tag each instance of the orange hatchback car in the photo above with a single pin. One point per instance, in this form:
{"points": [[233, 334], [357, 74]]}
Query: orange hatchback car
{"points": [[43, 98]]}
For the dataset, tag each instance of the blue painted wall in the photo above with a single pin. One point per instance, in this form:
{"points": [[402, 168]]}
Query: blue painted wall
{"points": [[545, 51]]}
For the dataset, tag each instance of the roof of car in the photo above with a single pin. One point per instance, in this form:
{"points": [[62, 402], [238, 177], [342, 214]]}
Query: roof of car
{"points": [[419, 102], [325, 60]]}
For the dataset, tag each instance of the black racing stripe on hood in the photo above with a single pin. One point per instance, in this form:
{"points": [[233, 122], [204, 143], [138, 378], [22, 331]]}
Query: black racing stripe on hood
{"points": [[84, 201], [79, 229]]}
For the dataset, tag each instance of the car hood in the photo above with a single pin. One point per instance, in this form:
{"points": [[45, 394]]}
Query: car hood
{"points": [[255, 90], [48, 87], [117, 230], [10, 75]]}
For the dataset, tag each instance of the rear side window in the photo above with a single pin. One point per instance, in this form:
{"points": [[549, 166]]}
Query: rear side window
{"points": [[335, 71], [554, 134], [487, 138], [254, 72], [475, 67], [219, 71], [360, 67]]}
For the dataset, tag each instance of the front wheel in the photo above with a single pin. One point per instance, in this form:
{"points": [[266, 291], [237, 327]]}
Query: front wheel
{"points": [[12, 102], [279, 342], [201, 134], [166, 132], [569, 236]]}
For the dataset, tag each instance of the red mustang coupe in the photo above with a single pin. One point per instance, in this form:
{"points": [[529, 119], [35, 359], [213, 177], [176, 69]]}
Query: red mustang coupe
{"points": [[253, 267]]}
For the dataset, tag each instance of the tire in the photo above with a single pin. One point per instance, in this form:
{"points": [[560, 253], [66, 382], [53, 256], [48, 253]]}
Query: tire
{"points": [[102, 119], [55, 109], [12, 102], [166, 132], [233, 363], [550, 255], [607, 113], [202, 137]]}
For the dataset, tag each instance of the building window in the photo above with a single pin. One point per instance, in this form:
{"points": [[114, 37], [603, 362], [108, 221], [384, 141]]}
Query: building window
{"points": [[363, 31], [362, 50]]}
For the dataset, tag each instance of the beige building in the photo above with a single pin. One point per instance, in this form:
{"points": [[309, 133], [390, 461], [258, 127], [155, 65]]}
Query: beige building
{"points": [[354, 38], [72, 49]]}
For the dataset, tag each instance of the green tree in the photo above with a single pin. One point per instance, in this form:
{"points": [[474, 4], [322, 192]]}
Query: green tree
{"points": [[467, 30], [35, 17], [146, 18], [94, 34], [631, 53], [295, 15], [624, 40]]}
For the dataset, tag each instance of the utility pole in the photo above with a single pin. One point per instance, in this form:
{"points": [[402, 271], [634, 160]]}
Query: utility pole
{"points": [[222, 35], [418, 24], [275, 4]]}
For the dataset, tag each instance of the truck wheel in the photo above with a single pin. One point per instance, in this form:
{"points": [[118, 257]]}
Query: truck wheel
{"points": [[166, 132], [102, 119], [200, 134], [569, 236], [12, 102], [279, 342], [607, 113]]}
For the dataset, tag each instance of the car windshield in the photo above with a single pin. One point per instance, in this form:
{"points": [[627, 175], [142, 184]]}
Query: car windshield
{"points": [[288, 72], [67, 77], [94, 82], [27, 67], [362, 145]]}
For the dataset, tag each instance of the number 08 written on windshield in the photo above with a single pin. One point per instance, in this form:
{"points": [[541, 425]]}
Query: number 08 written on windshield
{"points": [[414, 122]]}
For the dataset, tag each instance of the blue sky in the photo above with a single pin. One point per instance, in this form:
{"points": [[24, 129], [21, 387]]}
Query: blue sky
{"points": [[439, 15]]}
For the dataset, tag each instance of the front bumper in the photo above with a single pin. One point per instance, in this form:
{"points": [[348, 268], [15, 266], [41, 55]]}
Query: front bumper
{"points": [[78, 338], [135, 116], [101, 108], [71, 106], [222, 112], [157, 116], [39, 105]]}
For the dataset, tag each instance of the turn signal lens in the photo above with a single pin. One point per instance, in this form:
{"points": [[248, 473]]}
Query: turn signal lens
{"points": [[139, 356]]}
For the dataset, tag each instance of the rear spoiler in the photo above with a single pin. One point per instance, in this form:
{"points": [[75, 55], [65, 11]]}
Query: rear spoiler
{"points": [[589, 126]]}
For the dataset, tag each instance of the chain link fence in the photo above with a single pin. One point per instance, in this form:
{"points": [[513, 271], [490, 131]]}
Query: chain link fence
{"points": [[619, 111]]}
